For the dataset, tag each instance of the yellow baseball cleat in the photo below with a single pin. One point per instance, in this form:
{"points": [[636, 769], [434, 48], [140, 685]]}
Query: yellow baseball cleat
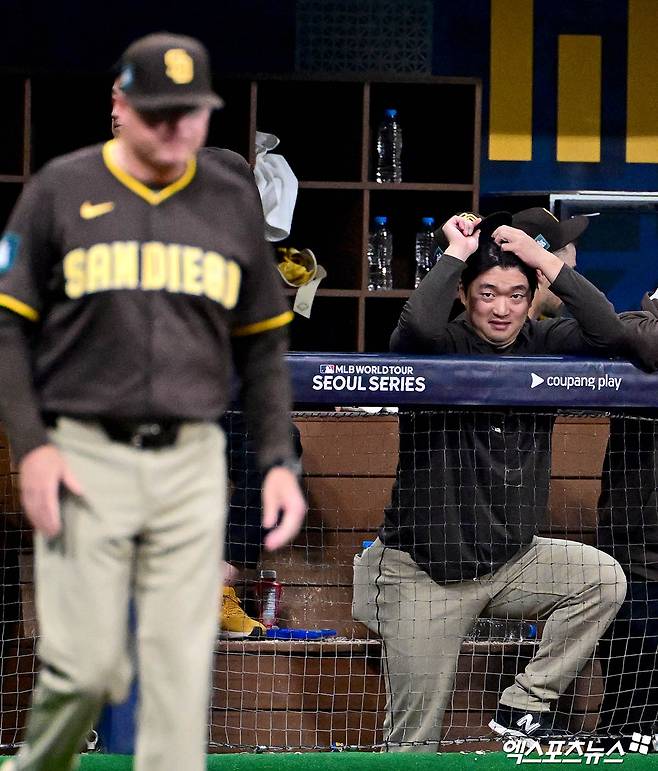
{"points": [[235, 623]]}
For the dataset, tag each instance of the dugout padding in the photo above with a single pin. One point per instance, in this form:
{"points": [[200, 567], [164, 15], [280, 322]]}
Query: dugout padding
{"points": [[312, 696]]}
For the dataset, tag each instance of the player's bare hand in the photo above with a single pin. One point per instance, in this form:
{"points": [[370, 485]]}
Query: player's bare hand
{"points": [[527, 249], [42, 472], [462, 237], [282, 495]]}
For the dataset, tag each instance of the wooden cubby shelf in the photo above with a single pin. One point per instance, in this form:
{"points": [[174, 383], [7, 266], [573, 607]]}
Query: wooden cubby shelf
{"points": [[333, 155], [327, 129]]}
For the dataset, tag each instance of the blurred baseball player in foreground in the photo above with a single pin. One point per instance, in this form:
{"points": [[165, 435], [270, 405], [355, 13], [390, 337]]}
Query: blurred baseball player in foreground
{"points": [[124, 301]]}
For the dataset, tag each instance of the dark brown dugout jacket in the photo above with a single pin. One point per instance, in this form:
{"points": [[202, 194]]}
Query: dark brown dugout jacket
{"points": [[628, 505], [471, 487]]}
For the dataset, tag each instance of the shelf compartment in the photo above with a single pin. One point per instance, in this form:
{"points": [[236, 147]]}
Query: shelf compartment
{"points": [[12, 93], [332, 327], [319, 124], [435, 148], [9, 192], [57, 97], [229, 127], [330, 224], [382, 314], [404, 214]]}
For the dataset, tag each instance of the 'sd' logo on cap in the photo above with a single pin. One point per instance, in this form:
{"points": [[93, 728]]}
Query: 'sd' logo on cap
{"points": [[179, 65]]}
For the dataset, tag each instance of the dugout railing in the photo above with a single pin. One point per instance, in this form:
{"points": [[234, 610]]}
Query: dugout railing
{"points": [[319, 694]]}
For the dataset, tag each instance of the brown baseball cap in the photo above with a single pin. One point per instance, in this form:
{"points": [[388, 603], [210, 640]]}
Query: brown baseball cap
{"points": [[547, 229], [165, 71]]}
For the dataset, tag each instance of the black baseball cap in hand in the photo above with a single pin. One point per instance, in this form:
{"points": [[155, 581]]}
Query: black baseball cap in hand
{"points": [[165, 71], [547, 229], [486, 226]]}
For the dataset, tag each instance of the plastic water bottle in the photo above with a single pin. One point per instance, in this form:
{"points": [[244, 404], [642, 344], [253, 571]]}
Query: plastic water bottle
{"points": [[389, 148], [425, 249], [502, 630], [380, 256]]}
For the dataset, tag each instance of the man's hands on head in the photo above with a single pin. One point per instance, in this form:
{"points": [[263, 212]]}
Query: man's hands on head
{"points": [[42, 471], [281, 493], [462, 237], [527, 249]]}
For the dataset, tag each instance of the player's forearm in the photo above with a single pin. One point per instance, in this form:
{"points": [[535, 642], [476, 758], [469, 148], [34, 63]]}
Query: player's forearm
{"points": [[642, 332], [642, 335], [266, 393], [599, 324], [550, 265], [425, 316], [19, 408], [650, 303]]}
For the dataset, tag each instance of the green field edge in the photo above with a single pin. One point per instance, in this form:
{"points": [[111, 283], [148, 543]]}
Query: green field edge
{"points": [[363, 761]]}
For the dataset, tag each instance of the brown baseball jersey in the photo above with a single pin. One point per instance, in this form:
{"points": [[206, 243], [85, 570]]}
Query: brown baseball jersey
{"points": [[138, 295]]}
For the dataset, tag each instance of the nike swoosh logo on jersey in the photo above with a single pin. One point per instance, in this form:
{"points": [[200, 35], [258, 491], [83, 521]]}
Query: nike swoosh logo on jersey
{"points": [[88, 210]]}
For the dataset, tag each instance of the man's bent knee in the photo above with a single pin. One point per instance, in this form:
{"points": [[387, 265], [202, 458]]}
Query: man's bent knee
{"points": [[605, 576], [613, 582]]}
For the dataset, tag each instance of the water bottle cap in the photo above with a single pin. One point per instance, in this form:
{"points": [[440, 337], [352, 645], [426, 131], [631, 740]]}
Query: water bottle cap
{"points": [[365, 544], [381, 220], [429, 221], [390, 113], [268, 574]]}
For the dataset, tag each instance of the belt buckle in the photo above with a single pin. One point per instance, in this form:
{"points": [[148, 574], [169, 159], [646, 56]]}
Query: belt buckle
{"points": [[143, 432]]}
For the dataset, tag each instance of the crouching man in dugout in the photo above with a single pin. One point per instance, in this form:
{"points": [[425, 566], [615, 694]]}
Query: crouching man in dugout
{"points": [[459, 539]]}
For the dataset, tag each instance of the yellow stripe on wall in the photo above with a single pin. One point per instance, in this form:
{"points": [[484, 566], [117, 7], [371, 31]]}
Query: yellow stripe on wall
{"points": [[579, 98], [510, 100], [642, 94]]}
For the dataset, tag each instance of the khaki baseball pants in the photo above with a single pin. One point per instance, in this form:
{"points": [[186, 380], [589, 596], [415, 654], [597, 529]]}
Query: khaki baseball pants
{"points": [[575, 587], [149, 525]]}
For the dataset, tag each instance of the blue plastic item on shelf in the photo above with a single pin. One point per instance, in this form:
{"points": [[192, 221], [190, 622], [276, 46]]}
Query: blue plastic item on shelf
{"points": [[299, 634]]}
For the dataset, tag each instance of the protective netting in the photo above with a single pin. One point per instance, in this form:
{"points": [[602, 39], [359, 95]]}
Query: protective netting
{"points": [[471, 489]]}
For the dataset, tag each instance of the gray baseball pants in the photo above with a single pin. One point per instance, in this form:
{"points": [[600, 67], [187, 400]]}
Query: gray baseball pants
{"points": [[149, 525], [575, 587]]}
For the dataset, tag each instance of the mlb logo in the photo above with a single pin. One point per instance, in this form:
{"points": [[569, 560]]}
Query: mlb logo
{"points": [[327, 369], [542, 241], [8, 250]]}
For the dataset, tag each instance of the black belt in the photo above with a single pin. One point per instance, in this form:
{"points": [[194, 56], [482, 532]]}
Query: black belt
{"points": [[141, 434]]}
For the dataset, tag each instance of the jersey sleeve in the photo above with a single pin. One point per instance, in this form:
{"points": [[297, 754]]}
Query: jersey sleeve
{"points": [[25, 250], [262, 304]]}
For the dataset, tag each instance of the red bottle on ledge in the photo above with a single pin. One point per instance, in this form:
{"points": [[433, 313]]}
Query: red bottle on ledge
{"points": [[268, 591]]}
